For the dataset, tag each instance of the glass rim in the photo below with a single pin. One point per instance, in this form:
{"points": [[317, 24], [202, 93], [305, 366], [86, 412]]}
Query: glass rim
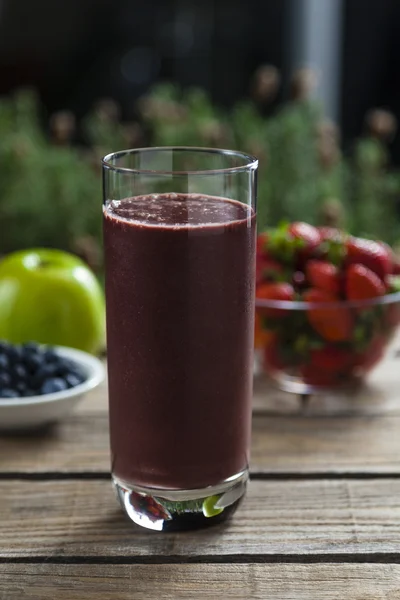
{"points": [[251, 162], [339, 304]]}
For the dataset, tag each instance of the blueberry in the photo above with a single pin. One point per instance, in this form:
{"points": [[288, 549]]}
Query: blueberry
{"points": [[4, 362], [50, 355], [21, 386], [44, 372], [31, 347], [4, 346], [5, 379], [28, 392], [55, 384], [64, 365], [79, 375], [33, 361], [19, 372], [72, 380], [14, 353], [9, 393]]}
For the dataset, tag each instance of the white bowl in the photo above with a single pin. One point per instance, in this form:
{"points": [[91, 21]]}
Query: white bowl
{"points": [[38, 411]]}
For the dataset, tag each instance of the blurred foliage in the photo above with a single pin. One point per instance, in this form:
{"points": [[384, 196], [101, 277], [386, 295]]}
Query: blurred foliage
{"points": [[50, 187], [48, 195]]}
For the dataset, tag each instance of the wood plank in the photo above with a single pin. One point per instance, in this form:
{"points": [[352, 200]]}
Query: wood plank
{"points": [[279, 445], [341, 445], [61, 519], [200, 582], [79, 444]]}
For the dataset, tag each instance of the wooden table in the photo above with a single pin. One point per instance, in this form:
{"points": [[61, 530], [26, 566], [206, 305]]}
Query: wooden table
{"points": [[321, 519]]}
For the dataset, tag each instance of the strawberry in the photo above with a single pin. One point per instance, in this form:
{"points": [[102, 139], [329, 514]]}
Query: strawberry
{"points": [[324, 276], [331, 358], [374, 255], [274, 291], [268, 269], [363, 284], [262, 336], [293, 243], [388, 249], [309, 235], [328, 366], [272, 359], [370, 357], [261, 245], [333, 323], [396, 267]]}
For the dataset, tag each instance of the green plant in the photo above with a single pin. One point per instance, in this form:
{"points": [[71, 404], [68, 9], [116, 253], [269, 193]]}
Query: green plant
{"points": [[47, 193]]}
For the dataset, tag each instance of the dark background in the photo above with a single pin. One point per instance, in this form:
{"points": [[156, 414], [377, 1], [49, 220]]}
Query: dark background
{"points": [[370, 63], [76, 51]]}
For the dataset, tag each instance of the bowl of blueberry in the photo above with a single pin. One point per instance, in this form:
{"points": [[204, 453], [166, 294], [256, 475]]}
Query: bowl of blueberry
{"points": [[41, 384]]}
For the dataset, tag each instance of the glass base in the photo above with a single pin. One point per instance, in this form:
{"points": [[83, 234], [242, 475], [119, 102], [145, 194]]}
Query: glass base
{"points": [[177, 510]]}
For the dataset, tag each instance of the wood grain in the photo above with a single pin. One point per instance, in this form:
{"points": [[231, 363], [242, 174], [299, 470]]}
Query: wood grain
{"points": [[279, 445], [61, 519], [318, 520], [200, 582]]}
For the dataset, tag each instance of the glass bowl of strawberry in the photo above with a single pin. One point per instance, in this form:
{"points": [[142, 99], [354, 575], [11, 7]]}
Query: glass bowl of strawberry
{"points": [[327, 306]]}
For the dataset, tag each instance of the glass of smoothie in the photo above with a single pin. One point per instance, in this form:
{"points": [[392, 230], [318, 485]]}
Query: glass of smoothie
{"points": [[179, 247]]}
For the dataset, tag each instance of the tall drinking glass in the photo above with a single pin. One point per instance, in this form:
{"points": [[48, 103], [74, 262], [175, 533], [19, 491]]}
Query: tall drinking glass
{"points": [[179, 244]]}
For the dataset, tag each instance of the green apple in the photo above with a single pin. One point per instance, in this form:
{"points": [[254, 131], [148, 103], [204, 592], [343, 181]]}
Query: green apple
{"points": [[51, 297]]}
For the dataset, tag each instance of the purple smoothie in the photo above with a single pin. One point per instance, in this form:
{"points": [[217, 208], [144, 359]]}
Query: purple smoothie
{"points": [[180, 301]]}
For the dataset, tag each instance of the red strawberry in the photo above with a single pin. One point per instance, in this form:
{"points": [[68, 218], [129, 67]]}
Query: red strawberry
{"points": [[274, 291], [262, 336], [309, 235], [372, 355], [333, 323], [371, 254], [328, 366], [324, 276], [331, 358], [363, 284], [261, 245], [388, 249], [293, 243], [396, 267], [272, 359], [268, 269]]}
